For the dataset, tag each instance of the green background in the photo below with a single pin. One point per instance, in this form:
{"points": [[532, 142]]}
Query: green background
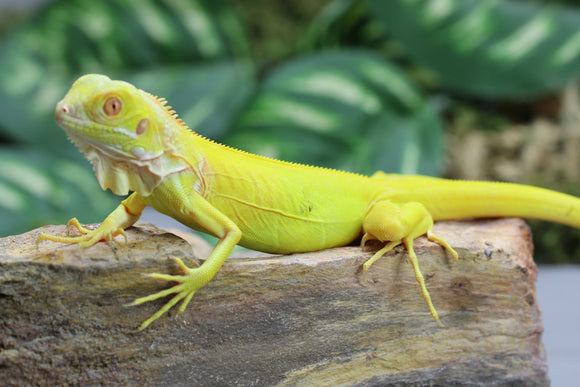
{"points": [[355, 85]]}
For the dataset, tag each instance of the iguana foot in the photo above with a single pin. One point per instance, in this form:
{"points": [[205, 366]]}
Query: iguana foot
{"points": [[188, 284], [87, 238], [402, 223], [415, 264], [443, 243]]}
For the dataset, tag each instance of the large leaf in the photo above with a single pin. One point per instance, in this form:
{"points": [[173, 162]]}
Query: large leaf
{"points": [[37, 187], [207, 97], [488, 48], [68, 38], [343, 109], [344, 23]]}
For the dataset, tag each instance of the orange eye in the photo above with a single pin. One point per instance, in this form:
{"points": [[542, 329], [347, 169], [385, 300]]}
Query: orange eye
{"points": [[112, 106]]}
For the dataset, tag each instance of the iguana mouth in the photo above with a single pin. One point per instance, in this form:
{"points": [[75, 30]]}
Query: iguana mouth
{"points": [[66, 119]]}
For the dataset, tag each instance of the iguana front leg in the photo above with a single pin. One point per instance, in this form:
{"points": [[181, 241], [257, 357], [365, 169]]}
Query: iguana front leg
{"points": [[125, 215], [402, 223], [201, 212]]}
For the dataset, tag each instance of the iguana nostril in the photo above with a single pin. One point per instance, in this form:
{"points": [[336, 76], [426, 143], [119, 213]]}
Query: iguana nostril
{"points": [[60, 110]]}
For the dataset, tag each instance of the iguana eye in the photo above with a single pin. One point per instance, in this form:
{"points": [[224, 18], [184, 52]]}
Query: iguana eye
{"points": [[112, 106]]}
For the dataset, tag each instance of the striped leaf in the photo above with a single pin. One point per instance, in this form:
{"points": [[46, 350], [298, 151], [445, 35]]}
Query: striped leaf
{"points": [[344, 23], [207, 97], [68, 38], [488, 48], [342, 109], [37, 187]]}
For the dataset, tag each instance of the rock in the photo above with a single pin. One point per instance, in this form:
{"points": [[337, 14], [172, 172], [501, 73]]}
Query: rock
{"points": [[302, 319]]}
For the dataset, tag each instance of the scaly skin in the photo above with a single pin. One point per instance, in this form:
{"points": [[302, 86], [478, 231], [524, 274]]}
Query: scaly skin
{"points": [[138, 144]]}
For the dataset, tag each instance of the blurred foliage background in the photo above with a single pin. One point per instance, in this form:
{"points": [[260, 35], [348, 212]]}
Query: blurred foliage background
{"points": [[478, 89]]}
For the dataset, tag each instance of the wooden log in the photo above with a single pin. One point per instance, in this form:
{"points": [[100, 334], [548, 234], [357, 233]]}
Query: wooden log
{"points": [[302, 319]]}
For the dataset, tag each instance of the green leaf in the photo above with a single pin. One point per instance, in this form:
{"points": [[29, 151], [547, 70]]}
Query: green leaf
{"points": [[40, 60], [37, 187], [343, 23], [488, 48], [208, 97], [338, 109], [412, 144]]}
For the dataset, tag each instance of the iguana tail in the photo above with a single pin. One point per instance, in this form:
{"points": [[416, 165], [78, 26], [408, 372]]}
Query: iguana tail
{"points": [[453, 199]]}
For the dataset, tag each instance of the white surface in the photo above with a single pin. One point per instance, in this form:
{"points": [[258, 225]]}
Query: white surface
{"points": [[558, 291]]}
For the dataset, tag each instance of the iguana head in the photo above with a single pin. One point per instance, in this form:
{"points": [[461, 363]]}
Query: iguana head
{"points": [[121, 130]]}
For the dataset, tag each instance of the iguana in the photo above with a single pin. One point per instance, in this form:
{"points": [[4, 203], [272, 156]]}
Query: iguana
{"points": [[136, 142]]}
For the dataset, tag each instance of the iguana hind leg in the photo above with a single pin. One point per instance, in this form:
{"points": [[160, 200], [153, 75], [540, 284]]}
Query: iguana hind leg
{"points": [[402, 223]]}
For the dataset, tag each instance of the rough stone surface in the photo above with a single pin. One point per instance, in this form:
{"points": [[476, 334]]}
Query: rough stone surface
{"points": [[295, 320]]}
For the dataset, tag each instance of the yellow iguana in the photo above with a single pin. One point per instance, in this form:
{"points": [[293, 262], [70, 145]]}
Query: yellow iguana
{"points": [[136, 143]]}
